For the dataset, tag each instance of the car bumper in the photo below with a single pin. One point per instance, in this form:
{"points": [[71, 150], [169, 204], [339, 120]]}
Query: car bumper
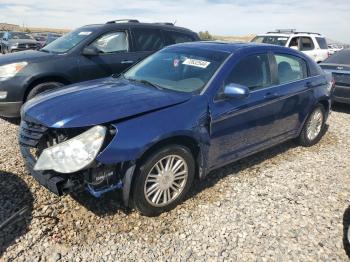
{"points": [[341, 94], [58, 184], [10, 109]]}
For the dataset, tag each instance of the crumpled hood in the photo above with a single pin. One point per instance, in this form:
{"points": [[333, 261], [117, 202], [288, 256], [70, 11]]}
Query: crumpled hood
{"points": [[97, 102]]}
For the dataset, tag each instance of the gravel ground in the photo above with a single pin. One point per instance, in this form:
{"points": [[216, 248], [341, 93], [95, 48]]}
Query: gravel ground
{"points": [[286, 203]]}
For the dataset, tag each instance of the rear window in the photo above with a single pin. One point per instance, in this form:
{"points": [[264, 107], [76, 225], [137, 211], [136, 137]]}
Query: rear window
{"points": [[341, 57], [148, 39], [322, 42]]}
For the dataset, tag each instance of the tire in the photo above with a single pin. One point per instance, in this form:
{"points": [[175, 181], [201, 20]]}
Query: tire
{"points": [[313, 130], [42, 88], [163, 185]]}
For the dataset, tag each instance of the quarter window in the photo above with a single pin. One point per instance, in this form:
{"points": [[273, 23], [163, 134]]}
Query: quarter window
{"points": [[148, 40], [112, 43], [307, 44], [290, 68], [252, 72]]}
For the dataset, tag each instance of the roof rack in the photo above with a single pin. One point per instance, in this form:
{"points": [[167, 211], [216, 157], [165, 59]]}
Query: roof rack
{"points": [[123, 21], [164, 23], [291, 31]]}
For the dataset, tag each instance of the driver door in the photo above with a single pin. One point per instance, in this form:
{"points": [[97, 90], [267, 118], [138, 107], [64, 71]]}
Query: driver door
{"points": [[113, 56], [242, 126]]}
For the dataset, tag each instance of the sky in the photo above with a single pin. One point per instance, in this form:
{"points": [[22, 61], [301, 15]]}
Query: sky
{"points": [[219, 17]]}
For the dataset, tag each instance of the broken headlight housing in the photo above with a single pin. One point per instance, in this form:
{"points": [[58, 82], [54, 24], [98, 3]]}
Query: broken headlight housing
{"points": [[74, 154]]}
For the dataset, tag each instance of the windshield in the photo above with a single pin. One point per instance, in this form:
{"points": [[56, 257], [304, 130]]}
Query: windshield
{"points": [[19, 35], [341, 57], [68, 41], [274, 40], [178, 68]]}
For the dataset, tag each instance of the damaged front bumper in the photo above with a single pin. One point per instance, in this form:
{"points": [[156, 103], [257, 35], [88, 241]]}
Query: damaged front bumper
{"points": [[97, 180]]}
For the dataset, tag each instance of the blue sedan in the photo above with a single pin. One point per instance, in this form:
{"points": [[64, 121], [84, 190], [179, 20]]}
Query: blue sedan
{"points": [[171, 119]]}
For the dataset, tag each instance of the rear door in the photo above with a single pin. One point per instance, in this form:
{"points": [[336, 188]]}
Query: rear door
{"points": [[146, 41], [294, 93], [115, 55], [308, 47]]}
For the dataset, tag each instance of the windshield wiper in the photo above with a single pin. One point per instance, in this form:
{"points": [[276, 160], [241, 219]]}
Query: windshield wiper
{"points": [[43, 50], [145, 82]]}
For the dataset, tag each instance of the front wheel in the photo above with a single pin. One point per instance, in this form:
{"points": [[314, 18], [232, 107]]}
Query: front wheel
{"points": [[43, 87], [163, 180], [313, 128]]}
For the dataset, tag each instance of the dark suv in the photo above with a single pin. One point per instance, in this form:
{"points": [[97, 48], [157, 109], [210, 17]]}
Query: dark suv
{"points": [[89, 52]]}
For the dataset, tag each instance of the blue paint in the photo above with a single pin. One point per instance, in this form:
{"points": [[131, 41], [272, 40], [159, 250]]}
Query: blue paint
{"points": [[224, 129], [99, 193]]}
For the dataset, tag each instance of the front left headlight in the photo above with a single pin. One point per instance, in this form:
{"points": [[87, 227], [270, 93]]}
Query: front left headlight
{"points": [[74, 154], [10, 70]]}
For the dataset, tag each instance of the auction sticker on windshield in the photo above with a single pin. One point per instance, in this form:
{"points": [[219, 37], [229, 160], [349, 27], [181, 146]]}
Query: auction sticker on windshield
{"points": [[85, 33], [196, 63]]}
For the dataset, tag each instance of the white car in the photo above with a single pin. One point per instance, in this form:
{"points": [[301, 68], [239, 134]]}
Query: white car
{"points": [[333, 48], [312, 44]]}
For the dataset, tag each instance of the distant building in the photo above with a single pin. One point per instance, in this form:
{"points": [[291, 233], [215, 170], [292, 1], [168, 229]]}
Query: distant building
{"points": [[9, 27]]}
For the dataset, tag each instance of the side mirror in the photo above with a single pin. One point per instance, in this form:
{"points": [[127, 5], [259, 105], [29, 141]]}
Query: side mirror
{"points": [[236, 91], [90, 51]]}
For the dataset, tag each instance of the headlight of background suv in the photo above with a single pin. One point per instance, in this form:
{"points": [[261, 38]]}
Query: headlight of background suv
{"points": [[10, 70], [74, 154]]}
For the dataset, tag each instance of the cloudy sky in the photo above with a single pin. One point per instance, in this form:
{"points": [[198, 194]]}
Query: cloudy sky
{"points": [[223, 17]]}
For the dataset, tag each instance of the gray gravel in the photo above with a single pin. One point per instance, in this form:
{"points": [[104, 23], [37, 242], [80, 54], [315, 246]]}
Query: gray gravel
{"points": [[284, 204]]}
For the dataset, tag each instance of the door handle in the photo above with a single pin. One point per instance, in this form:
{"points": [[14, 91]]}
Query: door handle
{"points": [[127, 62], [271, 95]]}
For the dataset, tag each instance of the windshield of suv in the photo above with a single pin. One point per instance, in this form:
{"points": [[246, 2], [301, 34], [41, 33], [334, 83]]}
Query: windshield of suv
{"points": [[178, 68], [20, 35], [68, 41], [270, 39], [341, 57]]}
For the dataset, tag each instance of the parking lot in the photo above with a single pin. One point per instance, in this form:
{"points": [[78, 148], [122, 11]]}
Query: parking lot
{"points": [[287, 203]]}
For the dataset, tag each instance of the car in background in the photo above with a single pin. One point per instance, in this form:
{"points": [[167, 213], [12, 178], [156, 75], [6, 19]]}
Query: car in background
{"points": [[176, 116], [1, 34], [89, 52], [339, 65], [312, 44], [333, 48], [18, 41]]}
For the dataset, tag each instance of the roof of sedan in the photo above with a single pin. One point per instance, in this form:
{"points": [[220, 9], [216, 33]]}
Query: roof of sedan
{"points": [[225, 46]]}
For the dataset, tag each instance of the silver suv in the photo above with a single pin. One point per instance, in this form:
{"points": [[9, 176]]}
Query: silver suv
{"points": [[312, 44]]}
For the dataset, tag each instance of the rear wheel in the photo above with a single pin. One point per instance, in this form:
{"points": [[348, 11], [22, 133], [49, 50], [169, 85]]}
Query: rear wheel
{"points": [[313, 128], [42, 88], [163, 180]]}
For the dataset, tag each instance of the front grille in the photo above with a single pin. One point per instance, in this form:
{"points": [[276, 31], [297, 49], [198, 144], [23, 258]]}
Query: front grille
{"points": [[31, 133], [31, 46]]}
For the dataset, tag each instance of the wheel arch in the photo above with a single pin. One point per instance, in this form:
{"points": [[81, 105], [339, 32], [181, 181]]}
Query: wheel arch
{"points": [[43, 79], [185, 140]]}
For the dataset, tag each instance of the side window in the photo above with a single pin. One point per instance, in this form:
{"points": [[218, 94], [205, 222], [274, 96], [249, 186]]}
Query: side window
{"points": [[112, 43], [294, 42], [306, 44], [290, 68], [176, 38], [252, 71], [148, 39]]}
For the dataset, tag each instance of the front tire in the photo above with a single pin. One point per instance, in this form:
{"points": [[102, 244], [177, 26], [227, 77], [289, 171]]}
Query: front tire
{"points": [[163, 180], [40, 88], [313, 128]]}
